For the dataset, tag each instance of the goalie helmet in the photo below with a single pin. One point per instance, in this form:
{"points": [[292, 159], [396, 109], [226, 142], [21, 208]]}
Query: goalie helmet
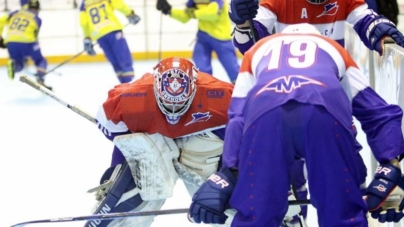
{"points": [[174, 86], [317, 1], [34, 4]]}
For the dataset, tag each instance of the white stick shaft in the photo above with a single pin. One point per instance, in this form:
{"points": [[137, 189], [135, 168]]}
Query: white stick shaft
{"points": [[49, 93]]}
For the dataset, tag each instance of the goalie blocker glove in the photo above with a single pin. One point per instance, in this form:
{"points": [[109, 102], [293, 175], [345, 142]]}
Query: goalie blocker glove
{"points": [[384, 195], [212, 198]]}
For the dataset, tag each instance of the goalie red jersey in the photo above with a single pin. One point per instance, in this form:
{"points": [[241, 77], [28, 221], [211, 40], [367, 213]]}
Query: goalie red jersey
{"points": [[133, 107]]}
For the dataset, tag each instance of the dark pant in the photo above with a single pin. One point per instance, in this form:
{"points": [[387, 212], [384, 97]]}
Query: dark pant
{"points": [[225, 51], [268, 150], [19, 52], [117, 52]]}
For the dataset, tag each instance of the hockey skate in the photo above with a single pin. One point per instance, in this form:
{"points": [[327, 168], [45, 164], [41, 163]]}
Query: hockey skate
{"points": [[11, 69], [42, 83]]}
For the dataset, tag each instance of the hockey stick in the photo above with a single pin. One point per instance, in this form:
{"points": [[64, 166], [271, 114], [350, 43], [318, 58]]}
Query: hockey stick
{"points": [[253, 31], [301, 218], [105, 216], [120, 215], [49, 93], [65, 62], [34, 74]]}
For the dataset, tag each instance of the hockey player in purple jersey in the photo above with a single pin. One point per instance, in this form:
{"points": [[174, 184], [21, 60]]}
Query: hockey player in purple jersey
{"points": [[329, 17], [295, 96]]}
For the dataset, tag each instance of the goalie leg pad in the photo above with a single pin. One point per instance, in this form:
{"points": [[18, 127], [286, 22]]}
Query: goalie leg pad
{"points": [[117, 193], [150, 158]]}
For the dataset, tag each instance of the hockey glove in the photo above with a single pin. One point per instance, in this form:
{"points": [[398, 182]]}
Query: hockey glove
{"points": [[2, 44], [133, 18], [384, 195], [374, 28], [212, 198], [88, 47], [164, 7], [242, 10]]}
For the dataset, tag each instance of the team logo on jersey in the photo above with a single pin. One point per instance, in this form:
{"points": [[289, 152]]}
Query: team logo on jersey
{"points": [[199, 117], [215, 94], [329, 9], [175, 86], [133, 95], [286, 84], [380, 188]]}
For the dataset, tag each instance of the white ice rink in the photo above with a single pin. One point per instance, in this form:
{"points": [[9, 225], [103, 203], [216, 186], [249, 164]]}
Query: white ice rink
{"points": [[50, 156]]}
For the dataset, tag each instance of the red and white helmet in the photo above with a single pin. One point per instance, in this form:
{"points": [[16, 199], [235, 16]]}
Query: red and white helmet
{"points": [[174, 86]]}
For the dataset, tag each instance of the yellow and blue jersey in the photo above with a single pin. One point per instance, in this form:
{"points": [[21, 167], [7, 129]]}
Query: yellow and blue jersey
{"points": [[212, 17], [22, 26], [97, 17]]}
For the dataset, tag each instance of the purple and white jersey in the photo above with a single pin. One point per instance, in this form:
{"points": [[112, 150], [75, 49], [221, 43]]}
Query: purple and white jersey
{"points": [[309, 69]]}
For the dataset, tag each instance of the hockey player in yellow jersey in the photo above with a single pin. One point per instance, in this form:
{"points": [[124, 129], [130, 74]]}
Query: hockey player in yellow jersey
{"points": [[22, 40], [214, 32], [100, 24]]}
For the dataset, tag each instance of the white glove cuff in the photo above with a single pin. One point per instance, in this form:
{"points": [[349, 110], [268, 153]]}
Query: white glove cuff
{"points": [[242, 35]]}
